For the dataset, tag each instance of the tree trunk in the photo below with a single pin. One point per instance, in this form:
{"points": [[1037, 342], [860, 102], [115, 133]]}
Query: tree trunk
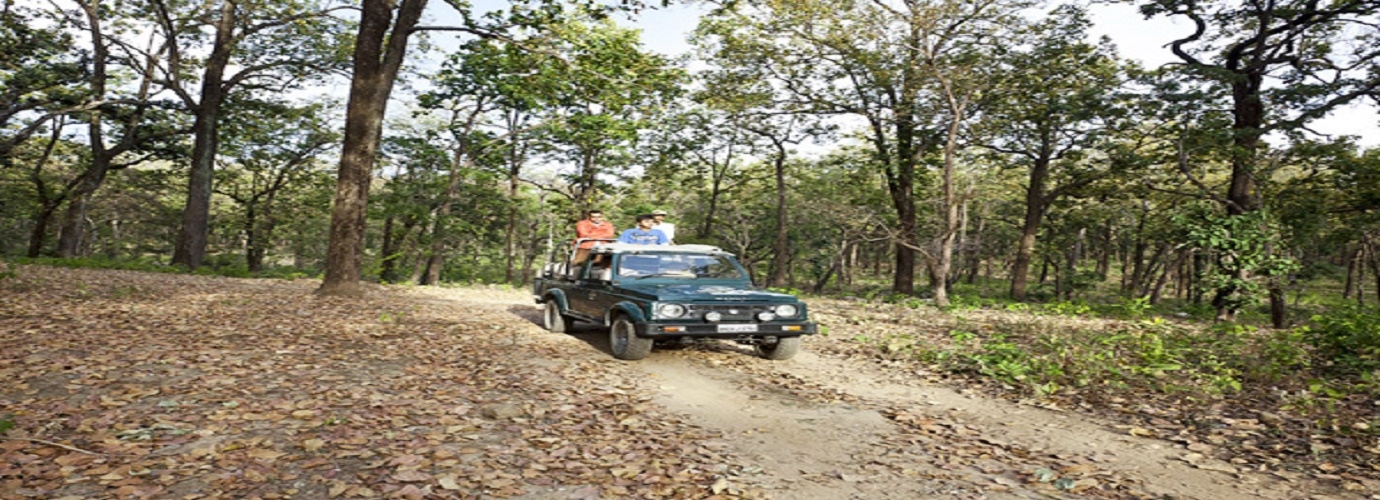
{"points": [[253, 247], [375, 70], [1360, 280], [190, 249], [1072, 256], [47, 204], [1034, 215], [70, 238], [1104, 258], [900, 169], [1374, 269], [717, 174], [1248, 112], [781, 244], [388, 269], [73, 231], [1158, 289], [37, 237], [1349, 288]]}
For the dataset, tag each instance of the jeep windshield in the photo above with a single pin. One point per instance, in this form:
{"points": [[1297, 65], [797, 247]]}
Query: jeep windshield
{"points": [[678, 266]]}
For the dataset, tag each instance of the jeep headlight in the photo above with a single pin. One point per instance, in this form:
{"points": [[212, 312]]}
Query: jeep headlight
{"points": [[787, 310], [670, 310]]}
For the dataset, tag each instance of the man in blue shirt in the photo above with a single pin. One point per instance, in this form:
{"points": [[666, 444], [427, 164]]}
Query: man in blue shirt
{"points": [[643, 234]]}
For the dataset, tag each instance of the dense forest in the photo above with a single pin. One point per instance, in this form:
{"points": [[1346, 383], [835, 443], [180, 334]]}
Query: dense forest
{"points": [[928, 150]]}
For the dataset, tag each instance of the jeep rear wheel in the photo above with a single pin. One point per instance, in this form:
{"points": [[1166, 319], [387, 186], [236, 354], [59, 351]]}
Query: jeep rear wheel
{"points": [[552, 318], [783, 348], [625, 343]]}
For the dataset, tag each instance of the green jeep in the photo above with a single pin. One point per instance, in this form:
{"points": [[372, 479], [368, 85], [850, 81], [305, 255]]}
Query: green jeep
{"points": [[670, 293]]}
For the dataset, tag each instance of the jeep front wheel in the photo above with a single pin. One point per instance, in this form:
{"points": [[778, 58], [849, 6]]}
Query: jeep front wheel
{"points": [[782, 348], [625, 343], [552, 318]]}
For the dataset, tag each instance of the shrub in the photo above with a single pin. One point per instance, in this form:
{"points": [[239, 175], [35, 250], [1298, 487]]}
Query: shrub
{"points": [[1347, 341]]}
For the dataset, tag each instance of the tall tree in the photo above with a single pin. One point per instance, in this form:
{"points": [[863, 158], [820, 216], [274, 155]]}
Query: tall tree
{"points": [[380, 47], [132, 112], [274, 153], [900, 66], [1284, 64], [613, 88], [247, 49], [952, 41], [1061, 94]]}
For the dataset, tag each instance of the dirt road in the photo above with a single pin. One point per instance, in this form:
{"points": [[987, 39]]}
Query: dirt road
{"points": [[831, 427]]}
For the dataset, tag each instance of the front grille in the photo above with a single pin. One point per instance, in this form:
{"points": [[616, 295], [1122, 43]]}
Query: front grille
{"points": [[730, 312]]}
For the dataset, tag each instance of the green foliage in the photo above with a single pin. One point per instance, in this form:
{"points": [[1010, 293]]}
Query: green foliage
{"points": [[6, 423], [786, 289], [1134, 307], [1347, 341], [1042, 359], [1067, 308], [1242, 245]]}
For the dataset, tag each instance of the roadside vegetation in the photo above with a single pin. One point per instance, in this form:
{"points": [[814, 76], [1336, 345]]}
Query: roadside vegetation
{"points": [[1297, 401]]}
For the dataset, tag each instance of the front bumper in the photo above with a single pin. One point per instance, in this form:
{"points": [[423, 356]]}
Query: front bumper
{"points": [[670, 329]]}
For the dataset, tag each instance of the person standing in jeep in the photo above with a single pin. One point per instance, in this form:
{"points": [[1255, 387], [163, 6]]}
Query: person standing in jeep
{"points": [[644, 234], [592, 227], [659, 223]]}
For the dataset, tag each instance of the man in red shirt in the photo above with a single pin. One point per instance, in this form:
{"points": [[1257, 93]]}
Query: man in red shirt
{"points": [[593, 226]]}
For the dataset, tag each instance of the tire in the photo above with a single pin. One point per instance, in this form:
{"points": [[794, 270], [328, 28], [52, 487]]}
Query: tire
{"points": [[552, 318], [784, 348], [625, 343]]}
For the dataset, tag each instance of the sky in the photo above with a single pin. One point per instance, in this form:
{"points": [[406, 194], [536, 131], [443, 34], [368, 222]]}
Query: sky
{"points": [[665, 30]]}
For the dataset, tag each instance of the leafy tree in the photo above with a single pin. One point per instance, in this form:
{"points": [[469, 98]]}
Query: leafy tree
{"points": [[1281, 65], [1061, 98], [517, 82], [909, 69], [143, 125], [380, 48], [254, 45], [266, 159], [832, 61], [41, 77], [612, 90]]}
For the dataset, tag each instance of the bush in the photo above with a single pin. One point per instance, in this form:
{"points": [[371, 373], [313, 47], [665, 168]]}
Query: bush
{"points": [[1347, 341]]}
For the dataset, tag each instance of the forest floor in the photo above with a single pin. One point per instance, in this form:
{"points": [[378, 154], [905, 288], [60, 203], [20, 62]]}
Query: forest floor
{"points": [[123, 384]]}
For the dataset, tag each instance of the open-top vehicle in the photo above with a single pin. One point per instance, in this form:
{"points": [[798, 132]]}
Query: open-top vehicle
{"points": [[650, 293]]}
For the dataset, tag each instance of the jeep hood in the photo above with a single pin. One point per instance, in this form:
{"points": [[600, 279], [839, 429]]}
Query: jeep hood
{"points": [[708, 293]]}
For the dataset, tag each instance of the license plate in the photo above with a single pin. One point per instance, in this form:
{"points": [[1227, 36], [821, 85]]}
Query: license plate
{"points": [[737, 328]]}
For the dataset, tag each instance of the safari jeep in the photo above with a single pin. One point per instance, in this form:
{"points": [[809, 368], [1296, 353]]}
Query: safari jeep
{"points": [[669, 293]]}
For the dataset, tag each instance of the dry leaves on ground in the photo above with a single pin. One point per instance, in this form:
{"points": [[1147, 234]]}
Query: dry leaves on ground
{"points": [[166, 386]]}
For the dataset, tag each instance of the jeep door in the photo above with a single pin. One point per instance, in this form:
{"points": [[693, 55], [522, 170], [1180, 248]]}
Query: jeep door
{"points": [[590, 283]]}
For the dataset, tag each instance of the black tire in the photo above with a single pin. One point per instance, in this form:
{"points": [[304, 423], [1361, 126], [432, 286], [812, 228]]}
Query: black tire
{"points": [[552, 319], [625, 343], [784, 348]]}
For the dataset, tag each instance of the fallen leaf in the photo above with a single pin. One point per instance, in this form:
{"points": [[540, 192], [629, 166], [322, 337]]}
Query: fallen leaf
{"points": [[313, 444], [719, 486], [412, 476], [265, 454]]}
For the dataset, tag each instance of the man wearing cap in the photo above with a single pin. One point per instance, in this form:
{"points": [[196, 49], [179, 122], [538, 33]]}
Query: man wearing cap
{"points": [[666, 227]]}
